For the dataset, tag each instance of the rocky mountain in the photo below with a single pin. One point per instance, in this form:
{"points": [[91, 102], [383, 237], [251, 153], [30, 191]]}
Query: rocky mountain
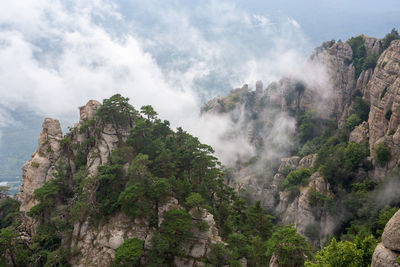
{"points": [[361, 104], [123, 189]]}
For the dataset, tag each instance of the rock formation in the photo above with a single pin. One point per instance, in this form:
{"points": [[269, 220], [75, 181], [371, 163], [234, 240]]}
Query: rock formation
{"points": [[94, 245], [386, 253], [40, 169]]}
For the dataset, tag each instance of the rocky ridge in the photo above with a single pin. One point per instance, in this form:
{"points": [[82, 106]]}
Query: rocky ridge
{"points": [[95, 245]]}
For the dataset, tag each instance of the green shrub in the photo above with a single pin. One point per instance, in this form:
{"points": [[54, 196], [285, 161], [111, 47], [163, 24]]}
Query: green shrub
{"points": [[382, 154], [219, 255], [35, 164], [352, 121], [360, 108], [388, 114], [359, 53], [391, 132], [345, 253], [65, 142], [370, 62], [296, 177], [289, 247], [393, 35], [383, 92], [129, 253], [354, 154], [9, 212], [318, 199]]}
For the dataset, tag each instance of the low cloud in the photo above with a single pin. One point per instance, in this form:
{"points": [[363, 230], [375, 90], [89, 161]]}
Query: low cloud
{"points": [[56, 55]]}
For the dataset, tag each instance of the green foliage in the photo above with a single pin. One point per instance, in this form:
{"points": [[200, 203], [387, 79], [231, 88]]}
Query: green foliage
{"points": [[388, 114], [359, 53], [194, 200], [360, 108], [202, 226], [175, 228], [11, 249], [110, 187], [57, 258], [345, 253], [149, 112], [370, 62], [310, 126], [9, 211], [122, 155], [291, 248], [382, 154], [393, 35], [219, 255], [352, 121], [296, 177], [129, 253], [35, 164], [383, 93], [118, 111], [337, 160], [354, 154], [384, 216], [84, 128], [174, 231], [318, 199]]}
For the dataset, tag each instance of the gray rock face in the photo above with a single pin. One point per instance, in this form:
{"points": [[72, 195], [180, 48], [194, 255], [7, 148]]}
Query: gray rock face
{"points": [[88, 111], [338, 59], [300, 212], [391, 234], [384, 96], [384, 257], [386, 253], [360, 134], [372, 45], [40, 169]]}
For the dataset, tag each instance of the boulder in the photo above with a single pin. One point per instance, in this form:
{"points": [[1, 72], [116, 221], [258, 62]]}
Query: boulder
{"points": [[391, 234]]}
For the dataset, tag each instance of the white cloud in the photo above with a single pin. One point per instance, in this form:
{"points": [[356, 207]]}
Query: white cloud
{"points": [[55, 55]]}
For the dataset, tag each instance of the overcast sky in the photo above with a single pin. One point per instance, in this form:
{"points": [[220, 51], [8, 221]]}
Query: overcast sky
{"points": [[55, 55]]}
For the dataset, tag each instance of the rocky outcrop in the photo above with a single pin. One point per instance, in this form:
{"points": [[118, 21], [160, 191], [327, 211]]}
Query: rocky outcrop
{"points": [[88, 145], [360, 134], [384, 94], [384, 257], [391, 234], [95, 245], [40, 169], [337, 59], [386, 253], [310, 221]]}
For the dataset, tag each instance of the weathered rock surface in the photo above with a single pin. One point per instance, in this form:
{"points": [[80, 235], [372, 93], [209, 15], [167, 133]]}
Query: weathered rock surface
{"points": [[384, 257], [95, 244], [386, 253], [40, 169], [384, 95], [360, 134], [391, 234], [300, 212], [337, 59]]}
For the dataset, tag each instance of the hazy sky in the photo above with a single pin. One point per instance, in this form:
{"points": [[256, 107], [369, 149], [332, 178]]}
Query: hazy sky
{"points": [[57, 54]]}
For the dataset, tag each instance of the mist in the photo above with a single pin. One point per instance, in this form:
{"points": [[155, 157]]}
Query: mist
{"points": [[56, 55]]}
